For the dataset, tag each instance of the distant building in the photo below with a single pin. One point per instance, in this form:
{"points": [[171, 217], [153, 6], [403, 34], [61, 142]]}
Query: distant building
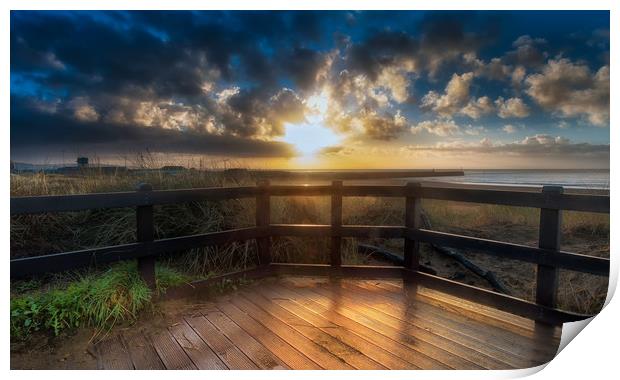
{"points": [[172, 169], [82, 162]]}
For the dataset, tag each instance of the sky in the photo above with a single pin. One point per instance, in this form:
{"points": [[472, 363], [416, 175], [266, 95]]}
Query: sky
{"points": [[313, 89]]}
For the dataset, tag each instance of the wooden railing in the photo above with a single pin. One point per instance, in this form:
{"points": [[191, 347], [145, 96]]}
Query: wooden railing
{"points": [[548, 256]]}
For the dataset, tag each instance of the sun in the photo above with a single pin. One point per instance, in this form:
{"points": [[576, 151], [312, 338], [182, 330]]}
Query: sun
{"points": [[312, 135]]}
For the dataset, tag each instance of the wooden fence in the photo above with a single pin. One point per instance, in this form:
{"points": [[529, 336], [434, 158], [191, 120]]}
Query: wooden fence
{"points": [[548, 256]]}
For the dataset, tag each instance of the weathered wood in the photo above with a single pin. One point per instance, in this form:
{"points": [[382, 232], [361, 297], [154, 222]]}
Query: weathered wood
{"points": [[58, 262], [278, 346], [196, 349], [170, 352], [574, 202], [524, 198], [206, 239], [263, 219], [355, 271], [221, 345], [145, 233], [336, 219], [262, 357], [549, 236], [388, 191], [293, 337], [312, 230], [79, 202], [413, 215], [343, 351], [112, 354], [305, 322], [499, 301], [559, 259], [197, 289], [141, 351]]}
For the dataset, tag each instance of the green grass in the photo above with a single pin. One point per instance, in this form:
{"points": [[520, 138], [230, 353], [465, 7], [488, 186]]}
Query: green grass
{"points": [[98, 300]]}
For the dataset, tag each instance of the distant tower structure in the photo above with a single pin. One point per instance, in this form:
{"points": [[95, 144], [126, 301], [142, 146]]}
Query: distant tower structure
{"points": [[82, 162]]}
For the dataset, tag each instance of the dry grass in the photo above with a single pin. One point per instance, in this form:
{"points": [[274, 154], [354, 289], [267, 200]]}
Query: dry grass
{"points": [[30, 235]]}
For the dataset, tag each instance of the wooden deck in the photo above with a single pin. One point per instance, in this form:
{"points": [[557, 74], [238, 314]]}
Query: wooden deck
{"points": [[317, 323]]}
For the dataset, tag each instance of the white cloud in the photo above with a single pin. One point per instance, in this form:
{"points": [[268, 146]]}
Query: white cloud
{"points": [[571, 89], [513, 107], [439, 127], [455, 96], [478, 107]]}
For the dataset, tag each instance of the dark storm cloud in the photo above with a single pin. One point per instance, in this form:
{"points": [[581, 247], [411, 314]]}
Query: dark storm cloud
{"points": [[33, 128]]}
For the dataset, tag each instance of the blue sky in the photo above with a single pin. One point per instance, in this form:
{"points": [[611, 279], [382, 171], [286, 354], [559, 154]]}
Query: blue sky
{"points": [[337, 89]]}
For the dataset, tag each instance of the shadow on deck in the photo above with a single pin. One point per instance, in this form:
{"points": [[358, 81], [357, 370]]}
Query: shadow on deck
{"points": [[322, 323]]}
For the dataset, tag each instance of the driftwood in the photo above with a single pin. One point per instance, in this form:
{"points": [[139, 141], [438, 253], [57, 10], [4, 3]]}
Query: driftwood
{"points": [[371, 250], [454, 254]]}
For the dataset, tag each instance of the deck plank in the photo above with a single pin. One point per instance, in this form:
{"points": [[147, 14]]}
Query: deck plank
{"points": [[524, 343], [302, 322], [345, 333], [224, 348], [494, 317], [419, 341], [280, 348], [347, 353], [112, 354], [304, 345], [414, 356], [141, 351], [170, 352], [504, 344], [198, 351], [262, 357]]}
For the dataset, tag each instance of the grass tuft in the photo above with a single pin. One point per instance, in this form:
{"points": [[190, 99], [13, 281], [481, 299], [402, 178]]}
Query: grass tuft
{"points": [[95, 300]]}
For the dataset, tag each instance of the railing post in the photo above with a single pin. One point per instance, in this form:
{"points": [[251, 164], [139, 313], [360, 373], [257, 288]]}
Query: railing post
{"points": [[145, 232], [413, 211], [336, 222], [263, 219], [549, 234]]}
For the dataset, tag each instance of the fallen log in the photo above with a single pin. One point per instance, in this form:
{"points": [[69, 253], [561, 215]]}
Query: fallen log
{"points": [[454, 254], [374, 251]]}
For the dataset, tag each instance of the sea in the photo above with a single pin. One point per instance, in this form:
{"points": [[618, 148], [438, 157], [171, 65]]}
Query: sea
{"points": [[577, 178]]}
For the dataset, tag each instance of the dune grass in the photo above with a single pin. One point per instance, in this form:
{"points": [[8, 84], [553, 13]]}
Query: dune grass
{"points": [[102, 298]]}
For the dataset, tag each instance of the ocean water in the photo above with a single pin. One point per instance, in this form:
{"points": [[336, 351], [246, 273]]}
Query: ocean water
{"points": [[585, 179]]}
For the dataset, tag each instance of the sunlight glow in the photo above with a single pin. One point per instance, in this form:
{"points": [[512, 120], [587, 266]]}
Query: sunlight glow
{"points": [[309, 137]]}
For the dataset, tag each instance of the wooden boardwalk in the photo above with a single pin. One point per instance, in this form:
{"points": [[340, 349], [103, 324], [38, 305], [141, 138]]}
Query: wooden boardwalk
{"points": [[317, 323]]}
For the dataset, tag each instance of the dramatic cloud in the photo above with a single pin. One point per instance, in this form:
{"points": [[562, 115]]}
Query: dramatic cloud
{"points": [[455, 96], [438, 127], [571, 89], [543, 145], [513, 107], [528, 51], [233, 83], [479, 107]]}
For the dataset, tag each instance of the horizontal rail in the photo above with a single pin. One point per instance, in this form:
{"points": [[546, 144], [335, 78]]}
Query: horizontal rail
{"points": [[58, 203], [325, 230], [573, 202], [80, 202], [558, 259], [496, 300], [70, 260], [58, 262]]}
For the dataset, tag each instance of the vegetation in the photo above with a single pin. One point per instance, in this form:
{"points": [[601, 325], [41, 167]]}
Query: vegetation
{"points": [[99, 300], [102, 298]]}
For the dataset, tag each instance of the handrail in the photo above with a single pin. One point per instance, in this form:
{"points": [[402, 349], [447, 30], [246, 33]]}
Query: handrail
{"points": [[548, 256], [78, 202]]}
